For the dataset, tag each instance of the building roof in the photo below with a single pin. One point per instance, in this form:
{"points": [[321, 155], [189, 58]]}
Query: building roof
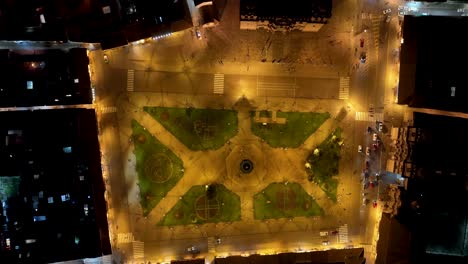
{"points": [[335, 256], [431, 59], [296, 9]]}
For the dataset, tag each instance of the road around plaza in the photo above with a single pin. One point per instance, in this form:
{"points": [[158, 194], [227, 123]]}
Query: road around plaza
{"points": [[179, 71]]}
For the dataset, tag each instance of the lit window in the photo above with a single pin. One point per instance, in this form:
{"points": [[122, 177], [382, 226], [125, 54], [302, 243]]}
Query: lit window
{"points": [[29, 85], [50, 200], [81, 178], [106, 10], [65, 197], [67, 149], [38, 218], [76, 80]]}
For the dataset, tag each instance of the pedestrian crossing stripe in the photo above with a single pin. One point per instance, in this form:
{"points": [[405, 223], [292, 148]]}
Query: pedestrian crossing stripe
{"points": [[369, 117], [218, 83], [138, 250], [108, 109], [375, 20], [344, 88], [124, 238], [130, 80]]}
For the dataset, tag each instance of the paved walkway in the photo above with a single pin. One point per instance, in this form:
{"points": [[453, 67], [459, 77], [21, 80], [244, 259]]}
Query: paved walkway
{"points": [[203, 167]]}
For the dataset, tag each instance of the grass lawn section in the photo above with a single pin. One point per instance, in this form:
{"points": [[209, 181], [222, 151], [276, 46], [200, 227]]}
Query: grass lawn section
{"points": [[184, 213], [267, 204], [326, 164], [298, 127], [198, 129], [146, 146]]}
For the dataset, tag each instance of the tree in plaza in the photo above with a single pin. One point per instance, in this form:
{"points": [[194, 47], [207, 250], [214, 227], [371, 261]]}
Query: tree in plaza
{"points": [[211, 191]]}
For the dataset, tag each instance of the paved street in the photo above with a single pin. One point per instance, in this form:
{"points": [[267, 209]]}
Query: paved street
{"points": [[275, 71]]}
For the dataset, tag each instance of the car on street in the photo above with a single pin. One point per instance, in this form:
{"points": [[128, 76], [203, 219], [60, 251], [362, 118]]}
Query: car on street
{"points": [[369, 130], [367, 151], [193, 250], [374, 204], [106, 59], [359, 149], [361, 43], [198, 34], [379, 126], [375, 146], [375, 137], [363, 57], [386, 11], [325, 243]]}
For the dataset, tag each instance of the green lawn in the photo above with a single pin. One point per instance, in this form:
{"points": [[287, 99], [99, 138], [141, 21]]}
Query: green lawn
{"points": [[223, 206], [325, 165], [158, 168], [198, 129], [299, 126], [284, 201]]}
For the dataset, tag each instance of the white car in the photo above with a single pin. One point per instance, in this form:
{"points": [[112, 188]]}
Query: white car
{"points": [[386, 11], [374, 137], [367, 151], [380, 126], [359, 149], [198, 34]]}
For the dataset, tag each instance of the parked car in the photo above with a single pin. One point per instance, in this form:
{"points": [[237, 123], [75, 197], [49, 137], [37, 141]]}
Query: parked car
{"points": [[359, 149], [386, 11], [367, 151], [361, 43], [379, 126], [198, 34], [374, 204], [363, 57], [375, 137]]}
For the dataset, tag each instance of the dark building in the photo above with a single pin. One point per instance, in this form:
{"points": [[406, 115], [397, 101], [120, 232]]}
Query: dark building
{"points": [[112, 23], [431, 63], [429, 153], [52, 191], [44, 77], [335, 256], [304, 15]]}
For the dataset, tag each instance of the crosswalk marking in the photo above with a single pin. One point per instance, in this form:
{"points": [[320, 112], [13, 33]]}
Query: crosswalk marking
{"points": [[344, 88], [108, 109], [218, 86], [211, 245], [376, 19], [138, 250], [130, 80], [369, 117], [343, 233], [124, 238]]}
